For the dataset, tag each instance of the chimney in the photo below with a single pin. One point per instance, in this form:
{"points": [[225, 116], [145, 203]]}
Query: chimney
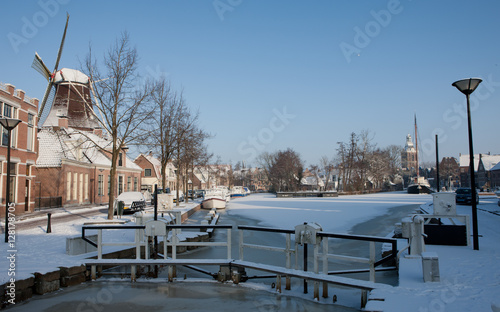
{"points": [[20, 94], [63, 122], [10, 89]]}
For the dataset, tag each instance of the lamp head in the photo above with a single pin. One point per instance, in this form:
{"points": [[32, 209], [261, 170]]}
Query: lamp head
{"points": [[467, 86], [9, 123]]}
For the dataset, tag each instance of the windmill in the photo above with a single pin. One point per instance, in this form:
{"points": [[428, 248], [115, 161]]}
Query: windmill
{"points": [[67, 94]]}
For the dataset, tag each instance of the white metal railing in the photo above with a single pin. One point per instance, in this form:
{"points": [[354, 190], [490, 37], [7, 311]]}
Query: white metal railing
{"points": [[175, 241], [288, 251]]}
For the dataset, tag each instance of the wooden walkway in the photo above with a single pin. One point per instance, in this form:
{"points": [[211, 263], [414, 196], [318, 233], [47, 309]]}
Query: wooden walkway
{"points": [[364, 286]]}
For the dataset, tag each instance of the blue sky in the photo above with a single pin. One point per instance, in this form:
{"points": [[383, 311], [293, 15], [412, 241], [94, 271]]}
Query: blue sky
{"points": [[267, 75]]}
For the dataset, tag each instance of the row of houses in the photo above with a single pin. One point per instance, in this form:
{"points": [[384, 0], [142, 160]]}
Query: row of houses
{"points": [[486, 168], [62, 163]]}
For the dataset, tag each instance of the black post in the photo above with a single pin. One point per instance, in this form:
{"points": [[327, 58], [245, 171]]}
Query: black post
{"points": [[475, 233], [7, 196], [437, 164], [156, 218], [49, 227], [155, 196], [305, 267]]}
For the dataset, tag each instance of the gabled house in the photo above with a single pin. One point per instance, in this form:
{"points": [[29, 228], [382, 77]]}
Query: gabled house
{"points": [[483, 164], [151, 172]]}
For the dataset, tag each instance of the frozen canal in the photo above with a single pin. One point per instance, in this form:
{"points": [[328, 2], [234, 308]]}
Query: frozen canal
{"points": [[366, 214]]}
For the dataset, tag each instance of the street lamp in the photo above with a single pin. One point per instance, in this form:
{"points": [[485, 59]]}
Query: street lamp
{"points": [[467, 86], [9, 124]]}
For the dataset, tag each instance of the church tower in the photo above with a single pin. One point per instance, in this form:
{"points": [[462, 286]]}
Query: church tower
{"points": [[409, 156]]}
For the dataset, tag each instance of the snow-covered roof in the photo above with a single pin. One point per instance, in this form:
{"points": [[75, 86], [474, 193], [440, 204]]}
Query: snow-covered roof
{"points": [[489, 161], [464, 161], [312, 180], [69, 144], [73, 75], [496, 167]]}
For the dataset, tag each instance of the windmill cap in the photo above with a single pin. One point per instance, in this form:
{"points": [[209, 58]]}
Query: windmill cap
{"points": [[73, 75]]}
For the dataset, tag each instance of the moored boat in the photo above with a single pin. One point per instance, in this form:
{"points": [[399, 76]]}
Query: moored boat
{"points": [[214, 198], [420, 186], [238, 191]]}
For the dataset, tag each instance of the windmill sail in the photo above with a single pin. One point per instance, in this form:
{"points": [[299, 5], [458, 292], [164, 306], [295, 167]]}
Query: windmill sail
{"points": [[40, 67], [67, 94]]}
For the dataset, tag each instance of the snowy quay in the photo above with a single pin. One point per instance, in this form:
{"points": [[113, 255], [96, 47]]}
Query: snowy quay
{"points": [[468, 280]]}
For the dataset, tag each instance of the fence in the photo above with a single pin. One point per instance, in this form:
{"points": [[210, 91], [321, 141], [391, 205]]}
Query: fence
{"points": [[49, 202], [278, 271]]}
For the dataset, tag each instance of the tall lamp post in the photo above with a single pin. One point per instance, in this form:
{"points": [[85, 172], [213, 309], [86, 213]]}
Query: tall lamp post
{"points": [[9, 124], [467, 86]]}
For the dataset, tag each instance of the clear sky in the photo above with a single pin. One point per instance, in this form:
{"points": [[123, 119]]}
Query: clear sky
{"points": [[267, 75]]}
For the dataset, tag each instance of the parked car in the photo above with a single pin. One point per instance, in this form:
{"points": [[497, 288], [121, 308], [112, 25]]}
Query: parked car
{"points": [[199, 193], [181, 196], [463, 195], [132, 201]]}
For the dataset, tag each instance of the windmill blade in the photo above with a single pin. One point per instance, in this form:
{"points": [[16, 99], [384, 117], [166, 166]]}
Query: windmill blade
{"points": [[45, 97], [40, 67], [62, 43], [45, 113], [102, 120]]}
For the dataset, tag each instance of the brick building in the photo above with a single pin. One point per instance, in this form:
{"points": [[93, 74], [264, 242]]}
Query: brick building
{"points": [[72, 170], [16, 104], [409, 157], [74, 163], [151, 172], [483, 164]]}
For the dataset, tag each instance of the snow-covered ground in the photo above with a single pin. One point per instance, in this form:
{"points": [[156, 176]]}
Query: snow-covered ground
{"points": [[470, 280], [36, 250]]}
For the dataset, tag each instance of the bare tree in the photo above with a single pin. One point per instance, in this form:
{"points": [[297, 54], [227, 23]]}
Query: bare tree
{"points": [[326, 166], [123, 102], [168, 108]]}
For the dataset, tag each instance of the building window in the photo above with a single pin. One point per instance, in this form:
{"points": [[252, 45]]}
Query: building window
{"points": [[68, 187], [75, 185], [147, 172], [135, 184], [81, 188], [7, 112], [120, 185], [120, 159], [13, 173], [109, 185], [86, 186], [129, 184], [100, 185], [31, 129]]}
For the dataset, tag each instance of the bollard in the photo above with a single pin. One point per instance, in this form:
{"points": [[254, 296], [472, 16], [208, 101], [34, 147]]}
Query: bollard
{"points": [[49, 228]]}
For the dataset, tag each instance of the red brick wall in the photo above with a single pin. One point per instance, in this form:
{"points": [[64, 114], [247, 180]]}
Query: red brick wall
{"points": [[142, 162], [20, 156]]}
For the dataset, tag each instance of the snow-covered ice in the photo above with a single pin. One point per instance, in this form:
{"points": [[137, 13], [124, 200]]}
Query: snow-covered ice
{"points": [[470, 280]]}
